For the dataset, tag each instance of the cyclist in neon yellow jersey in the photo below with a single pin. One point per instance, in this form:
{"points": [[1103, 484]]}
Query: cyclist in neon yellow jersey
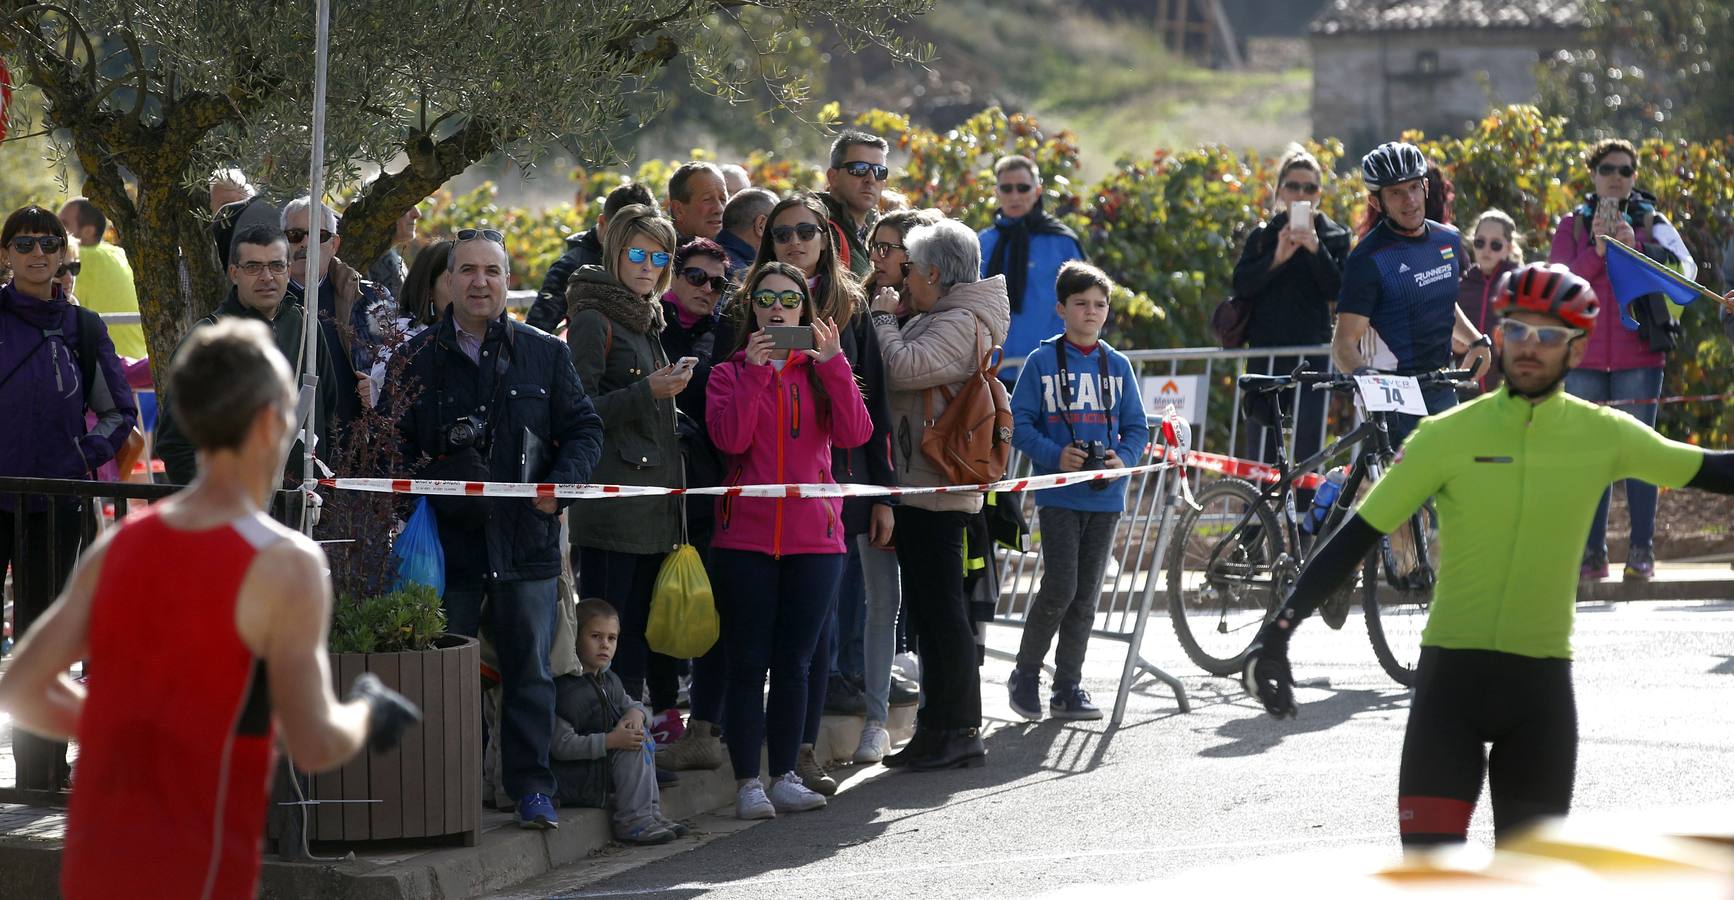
{"points": [[1516, 474]]}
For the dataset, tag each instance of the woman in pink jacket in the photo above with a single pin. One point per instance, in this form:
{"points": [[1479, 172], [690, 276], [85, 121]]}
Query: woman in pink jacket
{"points": [[776, 415]]}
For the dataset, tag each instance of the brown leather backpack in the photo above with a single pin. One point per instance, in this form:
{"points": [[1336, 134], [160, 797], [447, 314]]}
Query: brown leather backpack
{"points": [[970, 442]]}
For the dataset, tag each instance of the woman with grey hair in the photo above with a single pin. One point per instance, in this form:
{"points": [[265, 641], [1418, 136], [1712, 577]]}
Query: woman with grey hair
{"points": [[959, 318]]}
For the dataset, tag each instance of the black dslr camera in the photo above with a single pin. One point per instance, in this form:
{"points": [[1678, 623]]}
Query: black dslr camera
{"points": [[1095, 459], [468, 431]]}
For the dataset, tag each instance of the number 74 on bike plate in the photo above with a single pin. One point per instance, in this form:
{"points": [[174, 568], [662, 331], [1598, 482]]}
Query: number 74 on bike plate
{"points": [[1391, 393]]}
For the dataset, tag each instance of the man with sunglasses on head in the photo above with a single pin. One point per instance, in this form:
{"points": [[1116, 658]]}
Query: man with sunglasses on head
{"points": [[259, 284], [1517, 473], [351, 309], [498, 400], [1028, 246], [854, 182]]}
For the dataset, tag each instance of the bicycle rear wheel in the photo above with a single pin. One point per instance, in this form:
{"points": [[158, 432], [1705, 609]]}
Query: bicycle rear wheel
{"points": [[1224, 583], [1396, 606]]}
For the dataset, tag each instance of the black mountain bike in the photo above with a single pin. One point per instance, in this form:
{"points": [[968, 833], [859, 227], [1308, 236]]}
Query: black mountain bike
{"points": [[1238, 554]]}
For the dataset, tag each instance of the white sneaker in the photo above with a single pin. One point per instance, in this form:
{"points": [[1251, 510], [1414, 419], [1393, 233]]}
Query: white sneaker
{"points": [[788, 794], [907, 664], [751, 802], [875, 743]]}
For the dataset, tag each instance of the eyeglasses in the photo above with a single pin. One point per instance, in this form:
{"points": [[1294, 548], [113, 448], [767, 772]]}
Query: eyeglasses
{"points": [[1514, 331], [698, 277], [882, 249], [1021, 187], [256, 268], [657, 258], [806, 231], [1606, 169], [297, 235], [486, 234], [1494, 244], [767, 298], [25, 243], [69, 268], [1308, 188], [862, 169]]}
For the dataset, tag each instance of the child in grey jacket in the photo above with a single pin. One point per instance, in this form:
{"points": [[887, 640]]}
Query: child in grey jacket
{"points": [[600, 746]]}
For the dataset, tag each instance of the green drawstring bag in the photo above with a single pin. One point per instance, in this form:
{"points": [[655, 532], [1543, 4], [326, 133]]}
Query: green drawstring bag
{"points": [[683, 621]]}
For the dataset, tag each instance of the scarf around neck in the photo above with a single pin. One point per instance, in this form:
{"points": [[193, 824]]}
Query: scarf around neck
{"points": [[1011, 256]]}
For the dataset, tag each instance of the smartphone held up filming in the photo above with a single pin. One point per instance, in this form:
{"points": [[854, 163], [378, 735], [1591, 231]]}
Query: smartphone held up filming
{"points": [[790, 337]]}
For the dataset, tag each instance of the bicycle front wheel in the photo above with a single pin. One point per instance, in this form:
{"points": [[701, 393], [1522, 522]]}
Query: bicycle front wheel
{"points": [[1224, 578], [1396, 606]]}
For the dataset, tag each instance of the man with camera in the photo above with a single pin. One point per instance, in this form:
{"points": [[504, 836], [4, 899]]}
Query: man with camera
{"points": [[497, 400]]}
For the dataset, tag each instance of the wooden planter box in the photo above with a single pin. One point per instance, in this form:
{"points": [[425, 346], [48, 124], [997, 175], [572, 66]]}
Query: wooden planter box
{"points": [[429, 785]]}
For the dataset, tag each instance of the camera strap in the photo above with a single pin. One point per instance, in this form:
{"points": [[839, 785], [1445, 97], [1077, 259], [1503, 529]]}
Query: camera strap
{"points": [[501, 364], [1066, 381]]}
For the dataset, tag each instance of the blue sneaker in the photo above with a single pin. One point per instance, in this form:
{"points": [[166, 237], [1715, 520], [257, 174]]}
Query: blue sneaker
{"points": [[537, 811], [1072, 702], [1026, 694]]}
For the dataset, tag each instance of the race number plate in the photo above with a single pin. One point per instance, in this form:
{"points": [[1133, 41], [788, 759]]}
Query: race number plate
{"points": [[1391, 393]]}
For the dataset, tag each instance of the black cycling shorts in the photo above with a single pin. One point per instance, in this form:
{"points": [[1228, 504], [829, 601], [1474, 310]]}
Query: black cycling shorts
{"points": [[1465, 700]]}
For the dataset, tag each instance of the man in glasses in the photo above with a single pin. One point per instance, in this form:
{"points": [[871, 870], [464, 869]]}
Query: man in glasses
{"points": [[1028, 246], [259, 278], [104, 275], [345, 299], [582, 249], [696, 197], [854, 183], [1517, 472]]}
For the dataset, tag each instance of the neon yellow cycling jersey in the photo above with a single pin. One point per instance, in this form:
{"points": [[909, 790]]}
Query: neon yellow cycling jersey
{"points": [[1517, 485]]}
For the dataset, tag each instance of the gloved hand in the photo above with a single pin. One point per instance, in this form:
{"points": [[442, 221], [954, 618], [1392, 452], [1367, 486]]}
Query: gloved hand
{"points": [[389, 715], [1267, 674]]}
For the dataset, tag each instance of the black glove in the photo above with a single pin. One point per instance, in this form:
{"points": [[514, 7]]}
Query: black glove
{"points": [[389, 713], [1267, 674]]}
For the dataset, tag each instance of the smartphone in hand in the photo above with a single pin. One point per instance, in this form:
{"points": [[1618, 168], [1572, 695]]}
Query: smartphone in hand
{"points": [[685, 364], [1300, 216], [1607, 214], [790, 337]]}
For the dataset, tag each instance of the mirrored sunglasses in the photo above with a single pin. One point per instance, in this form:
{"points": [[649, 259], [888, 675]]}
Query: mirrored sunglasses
{"points": [[658, 258], [861, 170], [767, 298]]}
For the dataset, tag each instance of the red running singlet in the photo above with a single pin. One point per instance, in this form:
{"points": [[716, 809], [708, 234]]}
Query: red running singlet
{"points": [[175, 742]]}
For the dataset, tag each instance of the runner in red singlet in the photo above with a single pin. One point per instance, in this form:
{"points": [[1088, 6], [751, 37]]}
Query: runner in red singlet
{"points": [[206, 621]]}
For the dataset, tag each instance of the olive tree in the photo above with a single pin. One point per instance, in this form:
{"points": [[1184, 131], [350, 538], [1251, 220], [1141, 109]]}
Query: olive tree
{"points": [[148, 96]]}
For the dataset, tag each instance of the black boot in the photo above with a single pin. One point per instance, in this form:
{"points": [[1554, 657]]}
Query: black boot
{"points": [[919, 745], [957, 749]]}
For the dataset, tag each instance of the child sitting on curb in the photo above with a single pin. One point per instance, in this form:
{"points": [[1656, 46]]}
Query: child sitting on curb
{"points": [[1076, 407], [599, 739]]}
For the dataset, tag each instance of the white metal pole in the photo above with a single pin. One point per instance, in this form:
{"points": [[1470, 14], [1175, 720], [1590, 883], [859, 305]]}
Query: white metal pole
{"points": [[315, 220]]}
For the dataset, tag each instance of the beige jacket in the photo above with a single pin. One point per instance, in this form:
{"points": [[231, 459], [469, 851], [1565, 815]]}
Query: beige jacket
{"points": [[936, 349]]}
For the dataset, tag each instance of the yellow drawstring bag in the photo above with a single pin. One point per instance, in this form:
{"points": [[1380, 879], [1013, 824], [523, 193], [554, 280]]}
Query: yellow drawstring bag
{"points": [[683, 621]]}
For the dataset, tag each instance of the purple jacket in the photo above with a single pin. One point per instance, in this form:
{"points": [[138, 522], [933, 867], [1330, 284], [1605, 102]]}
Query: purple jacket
{"points": [[41, 399], [1611, 347]]}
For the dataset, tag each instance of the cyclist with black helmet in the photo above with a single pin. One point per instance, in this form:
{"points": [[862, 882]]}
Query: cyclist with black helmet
{"points": [[1401, 281], [1516, 473]]}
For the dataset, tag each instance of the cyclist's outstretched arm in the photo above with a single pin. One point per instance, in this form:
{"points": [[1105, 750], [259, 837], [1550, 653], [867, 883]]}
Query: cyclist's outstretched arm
{"points": [[1715, 473]]}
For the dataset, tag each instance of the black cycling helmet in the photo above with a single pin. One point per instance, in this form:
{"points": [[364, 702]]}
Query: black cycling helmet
{"points": [[1391, 163]]}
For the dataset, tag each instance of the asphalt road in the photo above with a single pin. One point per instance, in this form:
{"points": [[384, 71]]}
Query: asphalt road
{"points": [[1224, 786]]}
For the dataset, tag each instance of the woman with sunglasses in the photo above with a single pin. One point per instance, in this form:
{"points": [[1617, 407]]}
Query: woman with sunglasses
{"points": [[1496, 254], [891, 257], [1621, 364], [777, 414], [615, 315], [1290, 271], [47, 347], [1028, 246]]}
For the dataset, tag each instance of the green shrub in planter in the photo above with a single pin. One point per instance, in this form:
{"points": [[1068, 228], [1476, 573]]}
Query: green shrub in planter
{"points": [[407, 619]]}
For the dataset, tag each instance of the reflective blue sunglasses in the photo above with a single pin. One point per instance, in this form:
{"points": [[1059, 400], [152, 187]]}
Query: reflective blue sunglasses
{"points": [[639, 254]]}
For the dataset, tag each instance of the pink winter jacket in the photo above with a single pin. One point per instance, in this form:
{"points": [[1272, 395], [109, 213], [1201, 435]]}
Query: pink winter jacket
{"points": [[767, 426], [1611, 347]]}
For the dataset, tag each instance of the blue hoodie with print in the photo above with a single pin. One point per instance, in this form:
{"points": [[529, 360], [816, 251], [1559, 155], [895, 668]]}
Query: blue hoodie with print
{"points": [[1110, 412]]}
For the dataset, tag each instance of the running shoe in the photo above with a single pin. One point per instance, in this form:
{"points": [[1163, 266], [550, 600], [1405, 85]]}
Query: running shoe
{"points": [[1640, 564]]}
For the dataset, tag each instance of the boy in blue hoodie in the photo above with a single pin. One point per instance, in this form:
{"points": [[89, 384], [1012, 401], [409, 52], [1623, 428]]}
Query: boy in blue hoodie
{"points": [[1076, 407]]}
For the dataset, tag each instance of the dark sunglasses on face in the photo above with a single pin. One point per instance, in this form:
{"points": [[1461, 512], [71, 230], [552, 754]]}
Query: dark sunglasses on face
{"points": [[1022, 188], [71, 268], [1606, 169], [806, 231], [1494, 244], [767, 298], [1301, 187], [658, 258], [486, 234], [255, 268], [861, 170], [1515, 332], [882, 249], [25, 243], [700, 278], [297, 235]]}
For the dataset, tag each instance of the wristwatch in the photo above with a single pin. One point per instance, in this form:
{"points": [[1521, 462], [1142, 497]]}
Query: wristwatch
{"points": [[1485, 340]]}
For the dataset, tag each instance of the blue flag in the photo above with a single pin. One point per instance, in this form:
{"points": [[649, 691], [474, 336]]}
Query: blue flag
{"points": [[1634, 275]]}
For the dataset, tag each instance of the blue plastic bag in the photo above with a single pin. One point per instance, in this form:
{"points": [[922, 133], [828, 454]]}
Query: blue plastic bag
{"points": [[420, 558]]}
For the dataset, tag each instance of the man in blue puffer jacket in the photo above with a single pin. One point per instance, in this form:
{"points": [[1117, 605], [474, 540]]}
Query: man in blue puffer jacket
{"points": [[1028, 247]]}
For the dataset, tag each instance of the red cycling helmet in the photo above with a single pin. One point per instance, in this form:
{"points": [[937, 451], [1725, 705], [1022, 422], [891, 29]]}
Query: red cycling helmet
{"points": [[1551, 289]]}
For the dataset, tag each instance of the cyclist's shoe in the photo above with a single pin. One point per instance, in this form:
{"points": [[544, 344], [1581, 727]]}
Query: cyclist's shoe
{"points": [[1595, 565], [1335, 610], [1267, 674], [1640, 564]]}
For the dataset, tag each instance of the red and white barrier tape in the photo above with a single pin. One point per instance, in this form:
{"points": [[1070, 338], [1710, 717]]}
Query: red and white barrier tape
{"points": [[1665, 401]]}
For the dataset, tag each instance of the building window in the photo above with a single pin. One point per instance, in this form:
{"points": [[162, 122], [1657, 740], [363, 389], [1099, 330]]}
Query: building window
{"points": [[1427, 62]]}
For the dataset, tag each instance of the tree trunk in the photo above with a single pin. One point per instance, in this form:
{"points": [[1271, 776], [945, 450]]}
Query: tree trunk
{"points": [[154, 251], [369, 222]]}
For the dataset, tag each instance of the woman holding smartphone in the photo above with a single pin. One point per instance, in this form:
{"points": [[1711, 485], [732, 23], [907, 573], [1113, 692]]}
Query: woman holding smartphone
{"points": [[616, 320], [776, 414]]}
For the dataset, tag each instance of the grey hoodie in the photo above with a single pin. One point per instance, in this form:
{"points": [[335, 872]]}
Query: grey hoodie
{"points": [[582, 718]]}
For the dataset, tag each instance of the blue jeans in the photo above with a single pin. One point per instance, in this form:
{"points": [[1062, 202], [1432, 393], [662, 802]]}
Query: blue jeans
{"points": [[1439, 397], [846, 650], [772, 612], [521, 624], [1622, 384], [879, 627]]}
